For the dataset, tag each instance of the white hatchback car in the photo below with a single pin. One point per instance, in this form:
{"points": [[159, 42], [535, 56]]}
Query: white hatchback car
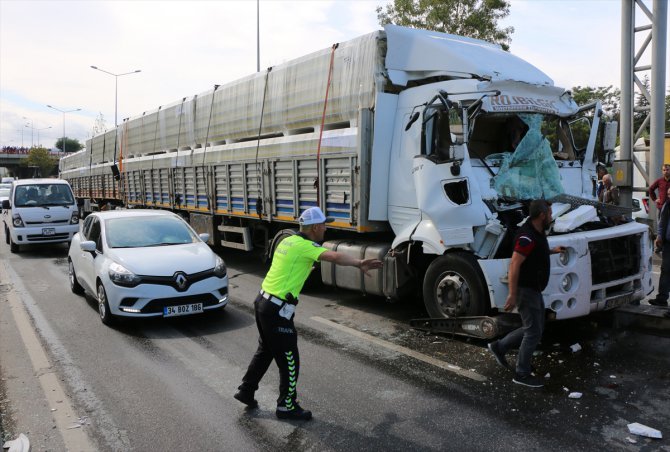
{"points": [[145, 263]]}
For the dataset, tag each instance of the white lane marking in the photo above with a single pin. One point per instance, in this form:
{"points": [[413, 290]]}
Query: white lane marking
{"points": [[404, 350], [74, 438]]}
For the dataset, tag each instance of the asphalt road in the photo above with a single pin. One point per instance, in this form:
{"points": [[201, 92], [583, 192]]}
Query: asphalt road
{"points": [[371, 381]]}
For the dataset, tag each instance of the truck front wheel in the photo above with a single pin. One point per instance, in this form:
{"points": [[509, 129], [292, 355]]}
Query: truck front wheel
{"points": [[454, 287]]}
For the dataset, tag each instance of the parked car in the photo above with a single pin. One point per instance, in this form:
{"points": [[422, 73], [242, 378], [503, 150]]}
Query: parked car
{"points": [[145, 263]]}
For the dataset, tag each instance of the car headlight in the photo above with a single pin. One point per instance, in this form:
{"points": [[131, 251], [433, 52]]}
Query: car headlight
{"points": [[74, 219], [121, 276], [219, 268], [17, 221]]}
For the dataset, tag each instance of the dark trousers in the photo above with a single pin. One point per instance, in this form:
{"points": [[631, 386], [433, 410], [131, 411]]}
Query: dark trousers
{"points": [[531, 309], [278, 341], [664, 278]]}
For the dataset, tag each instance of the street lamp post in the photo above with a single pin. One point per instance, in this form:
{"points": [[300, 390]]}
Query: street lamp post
{"points": [[64, 111], [38, 134], [32, 127], [116, 89]]}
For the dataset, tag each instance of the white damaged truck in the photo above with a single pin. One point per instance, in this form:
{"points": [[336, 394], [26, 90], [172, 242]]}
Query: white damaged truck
{"points": [[425, 147]]}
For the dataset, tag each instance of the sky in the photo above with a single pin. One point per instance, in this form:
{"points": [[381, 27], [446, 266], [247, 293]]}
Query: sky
{"points": [[183, 48]]}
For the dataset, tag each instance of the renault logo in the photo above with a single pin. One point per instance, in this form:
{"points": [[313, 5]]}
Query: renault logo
{"points": [[180, 279]]}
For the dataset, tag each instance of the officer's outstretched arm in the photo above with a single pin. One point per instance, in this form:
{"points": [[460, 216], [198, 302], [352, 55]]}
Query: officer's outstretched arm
{"points": [[344, 259]]}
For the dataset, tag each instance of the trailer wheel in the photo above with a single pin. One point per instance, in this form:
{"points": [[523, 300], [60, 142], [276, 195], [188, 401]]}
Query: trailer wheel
{"points": [[454, 287]]}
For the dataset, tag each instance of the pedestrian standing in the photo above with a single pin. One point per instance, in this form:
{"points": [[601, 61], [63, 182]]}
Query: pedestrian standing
{"points": [[663, 242], [661, 184], [527, 277], [275, 306]]}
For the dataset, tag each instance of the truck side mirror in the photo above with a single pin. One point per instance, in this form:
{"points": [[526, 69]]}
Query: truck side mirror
{"points": [[5, 204], [412, 120]]}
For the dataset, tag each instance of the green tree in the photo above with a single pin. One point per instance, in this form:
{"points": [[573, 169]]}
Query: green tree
{"points": [[71, 145], [472, 18], [608, 95], [41, 158], [642, 102]]}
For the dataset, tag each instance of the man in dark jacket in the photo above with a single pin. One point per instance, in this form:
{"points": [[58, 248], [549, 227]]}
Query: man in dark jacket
{"points": [[663, 242], [528, 276]]}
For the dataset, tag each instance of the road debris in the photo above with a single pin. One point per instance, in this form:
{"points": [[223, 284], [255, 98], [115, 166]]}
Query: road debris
{"points": [[575, 395], [575, 348], [640, 429], [82, 421]]}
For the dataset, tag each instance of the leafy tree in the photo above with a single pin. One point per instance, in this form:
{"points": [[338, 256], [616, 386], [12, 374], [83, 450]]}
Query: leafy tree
{"points": [[71, 144], [642, 102], [41, 158], [99, 126], [472, 18], [608, 95]]}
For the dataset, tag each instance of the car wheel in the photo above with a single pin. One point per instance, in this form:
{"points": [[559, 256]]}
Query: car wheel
{"points": [[13, 247], [74, 284], [103, 306]]}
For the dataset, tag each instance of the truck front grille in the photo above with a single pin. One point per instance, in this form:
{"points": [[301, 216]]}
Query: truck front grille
{"points": [[614, 259]]}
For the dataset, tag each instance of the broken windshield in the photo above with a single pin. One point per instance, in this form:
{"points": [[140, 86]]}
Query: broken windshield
{"points": [[525, 148]]}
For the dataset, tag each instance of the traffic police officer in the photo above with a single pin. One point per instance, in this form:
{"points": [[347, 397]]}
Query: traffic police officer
{"points": [[275, 306]]}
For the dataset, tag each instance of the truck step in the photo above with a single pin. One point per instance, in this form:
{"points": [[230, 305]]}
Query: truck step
{"points": [[238, 237], [482, 327]]}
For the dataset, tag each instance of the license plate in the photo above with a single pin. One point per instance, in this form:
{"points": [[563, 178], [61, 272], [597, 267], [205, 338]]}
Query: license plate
{"points": [[618, 301], [48, 231], [185, 309]]}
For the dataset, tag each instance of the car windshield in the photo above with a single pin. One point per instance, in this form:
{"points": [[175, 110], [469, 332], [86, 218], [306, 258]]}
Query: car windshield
{"points": [[43, 195], [143, 231]]}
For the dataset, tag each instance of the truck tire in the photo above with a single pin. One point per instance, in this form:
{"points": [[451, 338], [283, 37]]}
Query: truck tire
{"points": [[13, 247], [454, 287]]}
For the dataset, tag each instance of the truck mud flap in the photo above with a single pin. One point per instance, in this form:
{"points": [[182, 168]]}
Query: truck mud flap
{"points": [[482, 327]]}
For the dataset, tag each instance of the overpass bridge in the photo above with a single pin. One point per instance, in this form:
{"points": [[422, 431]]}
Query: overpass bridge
{"points": [[14, 160]]}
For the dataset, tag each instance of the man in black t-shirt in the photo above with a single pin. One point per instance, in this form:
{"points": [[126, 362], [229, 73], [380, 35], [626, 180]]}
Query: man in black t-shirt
{"points": [[528, 276]]}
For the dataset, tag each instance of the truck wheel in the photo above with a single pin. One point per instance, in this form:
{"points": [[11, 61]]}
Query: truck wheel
{"points": [[454, 287], [13, 247]]}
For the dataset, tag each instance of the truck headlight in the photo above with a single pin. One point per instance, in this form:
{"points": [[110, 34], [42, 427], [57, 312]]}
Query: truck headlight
{"points": [[564, 257], [121, 276], [566, 283], [74, 219], [17, 221], [219, 268]]}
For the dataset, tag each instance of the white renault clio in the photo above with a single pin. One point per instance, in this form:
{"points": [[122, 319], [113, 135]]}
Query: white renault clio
{"points": [[145, 263]]}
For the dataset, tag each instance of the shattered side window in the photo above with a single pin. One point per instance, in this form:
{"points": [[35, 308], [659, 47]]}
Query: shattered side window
{"points": [[530, 172]]}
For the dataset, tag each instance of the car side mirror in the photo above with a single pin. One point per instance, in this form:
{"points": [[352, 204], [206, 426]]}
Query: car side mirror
{"points": [[88, 245], [204, 237], [5, 204]]}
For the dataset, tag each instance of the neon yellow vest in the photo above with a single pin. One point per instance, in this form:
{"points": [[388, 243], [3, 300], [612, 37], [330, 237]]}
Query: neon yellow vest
{"points": [[291, 264]]}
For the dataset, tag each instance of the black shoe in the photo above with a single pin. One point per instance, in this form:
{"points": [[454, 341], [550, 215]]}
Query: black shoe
{"points": [[500, 357], [528, 380], [246, 398], [296, 414], [657, 302]]}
